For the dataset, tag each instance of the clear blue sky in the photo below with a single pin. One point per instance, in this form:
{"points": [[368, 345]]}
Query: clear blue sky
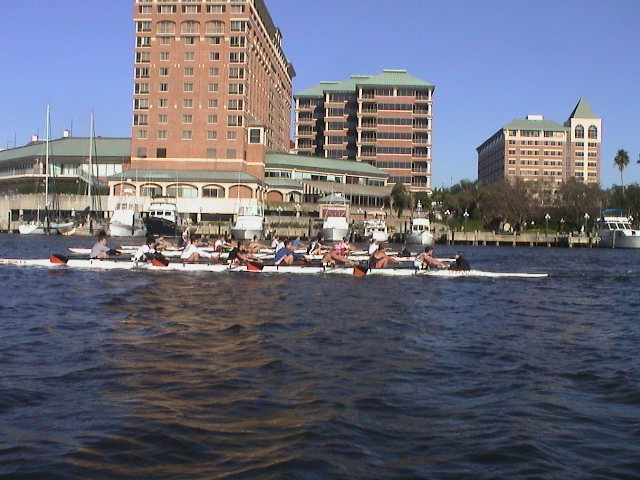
{"points": [[491, 62]]}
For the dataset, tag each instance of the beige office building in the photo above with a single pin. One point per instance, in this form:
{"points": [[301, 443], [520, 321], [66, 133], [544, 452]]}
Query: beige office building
{"points": [[535, 149], [384, 120]]}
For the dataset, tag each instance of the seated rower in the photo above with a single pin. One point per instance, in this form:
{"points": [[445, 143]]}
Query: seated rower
{"points": [[297, 243], [254, 246], [239, 254], [343, 248], [221, 243], [146, 251], [379, 258], [100, 249], [191, 253], [161, 244], [461, 263], [334, 256], [316, 247], [373, 247], [286, 255], [426, 260]]}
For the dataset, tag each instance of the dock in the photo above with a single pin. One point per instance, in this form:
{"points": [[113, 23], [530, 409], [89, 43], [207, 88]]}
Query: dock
{"points": [[537, 239]]}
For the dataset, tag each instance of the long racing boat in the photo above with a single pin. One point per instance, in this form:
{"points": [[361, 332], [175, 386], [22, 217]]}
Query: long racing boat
{"points": [[61, 261]]}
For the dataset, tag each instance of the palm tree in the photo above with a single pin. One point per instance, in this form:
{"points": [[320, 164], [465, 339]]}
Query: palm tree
{"points": [[621, 161]]}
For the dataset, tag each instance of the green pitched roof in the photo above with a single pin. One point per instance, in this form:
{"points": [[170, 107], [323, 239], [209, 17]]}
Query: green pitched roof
{"points": [[396, 78], [388, 78], [161, 175], [322, 164], [583, 110], [524, 124], [71, 147]]}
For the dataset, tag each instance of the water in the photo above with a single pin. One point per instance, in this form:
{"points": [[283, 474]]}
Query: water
{"points": [[112, 375]]}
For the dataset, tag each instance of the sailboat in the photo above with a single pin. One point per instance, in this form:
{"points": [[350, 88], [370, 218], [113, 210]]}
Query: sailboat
{"points": [[89, 224], [47, 226]]}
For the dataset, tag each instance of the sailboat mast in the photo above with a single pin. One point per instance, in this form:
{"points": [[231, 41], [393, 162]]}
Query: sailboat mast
{"points": [[46, 165], [89, 191]]}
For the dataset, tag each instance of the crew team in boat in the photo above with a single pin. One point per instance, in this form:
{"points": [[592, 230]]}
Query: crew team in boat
{"points": [[100, 250]]}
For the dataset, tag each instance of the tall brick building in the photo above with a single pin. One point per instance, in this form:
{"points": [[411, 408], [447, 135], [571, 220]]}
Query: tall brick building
{"points": [[538, 149], [384, 120]]}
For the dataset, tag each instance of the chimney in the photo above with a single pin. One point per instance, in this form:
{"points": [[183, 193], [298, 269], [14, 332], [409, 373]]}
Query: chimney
{"points": [[34, 138], [66, 133]]}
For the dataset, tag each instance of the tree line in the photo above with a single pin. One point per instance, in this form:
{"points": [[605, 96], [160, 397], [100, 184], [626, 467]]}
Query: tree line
{"points": [[569, 206]]}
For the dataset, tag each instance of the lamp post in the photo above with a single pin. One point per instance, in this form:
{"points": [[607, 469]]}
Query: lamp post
{"points": [[562, 225], [547, 217], [466, 216], [279, 210], [297, 207], [586, 219]]}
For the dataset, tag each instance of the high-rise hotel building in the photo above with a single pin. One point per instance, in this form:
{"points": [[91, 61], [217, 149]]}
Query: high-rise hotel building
{"points": [[535, 149], [210, 81], [384, 120]]}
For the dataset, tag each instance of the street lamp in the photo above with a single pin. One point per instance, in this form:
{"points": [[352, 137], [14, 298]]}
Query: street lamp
{"points": [[466, 216], [447, 214], [279, 210], [297, 207], [562, 225], [547, 217], [586, 219]]}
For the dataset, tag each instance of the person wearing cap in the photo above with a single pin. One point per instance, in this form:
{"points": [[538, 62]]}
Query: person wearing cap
{"points": [[426, 260], [460, 264]]}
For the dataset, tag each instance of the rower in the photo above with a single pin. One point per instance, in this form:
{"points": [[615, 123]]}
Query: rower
{"points": [[146, 251], [334, 256], [191, 252], [379, 258], [316, 246], [461, 263], [254, 246], [239, 254], [286, 255], [426, 260], [100, 249]]}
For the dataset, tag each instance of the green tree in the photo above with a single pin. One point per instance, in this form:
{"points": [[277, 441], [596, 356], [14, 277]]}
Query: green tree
{"points": [[401, 197], [621, 160]]}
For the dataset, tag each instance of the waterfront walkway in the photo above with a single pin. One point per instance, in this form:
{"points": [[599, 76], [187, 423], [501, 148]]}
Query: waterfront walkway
{"points": [[520, 239]]}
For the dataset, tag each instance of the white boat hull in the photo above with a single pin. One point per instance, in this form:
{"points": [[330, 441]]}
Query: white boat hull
{"points": [[620, 239], [420, 238], [247, 234], [334, 234]]}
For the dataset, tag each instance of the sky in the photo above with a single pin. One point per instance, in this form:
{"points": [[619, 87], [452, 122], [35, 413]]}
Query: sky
{"points": [[491, 61]]}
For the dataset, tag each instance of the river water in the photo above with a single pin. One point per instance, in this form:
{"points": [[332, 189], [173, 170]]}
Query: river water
{"points": [[153, 375]]}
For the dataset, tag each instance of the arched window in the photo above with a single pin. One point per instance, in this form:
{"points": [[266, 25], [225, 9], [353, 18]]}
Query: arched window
{"points": [[593, 131], [215, 26], [212, 191], [166, 27], [190, 27], [182, 191], [579, 131], [150, 190]]}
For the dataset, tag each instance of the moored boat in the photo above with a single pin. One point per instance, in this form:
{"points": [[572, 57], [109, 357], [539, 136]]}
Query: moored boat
{"points": [[126, 220], [249, 223], [615, 230], [420, 231], [163, 218], [334, 209], [375, 229]]}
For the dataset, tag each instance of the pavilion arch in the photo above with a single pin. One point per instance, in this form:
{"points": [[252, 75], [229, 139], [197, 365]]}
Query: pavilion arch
{"points": [[593, 131], [182, 190], [119, 188], [213, 191], [579, 131], [150, 190], [240, 191], [294, 196], [275, 196]]}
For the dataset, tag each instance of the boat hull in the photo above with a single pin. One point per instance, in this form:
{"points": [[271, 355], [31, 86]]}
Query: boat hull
{"points": [[334, 234], [619, 239], [247, 234], [161, 226], [419, 238]]}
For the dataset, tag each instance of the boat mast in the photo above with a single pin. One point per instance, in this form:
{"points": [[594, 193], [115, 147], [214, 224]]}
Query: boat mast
{"points": [[89, 192], [46, 175]]}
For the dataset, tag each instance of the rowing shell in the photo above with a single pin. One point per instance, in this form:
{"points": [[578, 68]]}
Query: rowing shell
{"points": [[55, 262]]}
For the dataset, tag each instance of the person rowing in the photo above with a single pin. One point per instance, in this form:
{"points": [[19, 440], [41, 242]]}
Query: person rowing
{"points": [[426, 260], [286, 255], [239, 254], [380, 259], [146, 251], [191, 253], [100, 250], [460, 264], [335, 256], [255, 246], [316, 247], [343, 248]]}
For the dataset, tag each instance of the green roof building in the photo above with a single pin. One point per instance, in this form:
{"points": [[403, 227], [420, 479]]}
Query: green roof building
{"points": [[384, 120], [535, 149]]}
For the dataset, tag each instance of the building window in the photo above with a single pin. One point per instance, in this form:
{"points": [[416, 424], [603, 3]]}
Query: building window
{"points": [[236, 57], [211, 153], [215, 8], [167, 9], [238, 25], [214, 56], [164, 87], [187, 135], [213, 103], [237, 8], [187, 103], [142, 134], [141, 88], [162, 118], [235, 104], [187, 87], [215, 40], [141, 104], [142, 42], [231, 153], [182, 191], [162, 134], [189, 56], [231, 135], [190, 40], [166, 27], [165, 56], [579, 131], [212, 119], [236, 88], [238, 42], [212, 135], [165, 40], [187, 119], [255, 135], [143, 57], [142, 152], [212, 192], [213, 87], [214, 72], [234, 120], [214, 27], [188, 71], [235, 72], [164, 71], [163, 103], [141, 119], [593, 131], [161, 152]]}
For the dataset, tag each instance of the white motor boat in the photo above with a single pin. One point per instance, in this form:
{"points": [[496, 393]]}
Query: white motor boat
{"points": [[164, 218], [249, 223], [335, 211], [615, 230], [45, 228], [420, 232], [375, 229], [126, 220]]}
